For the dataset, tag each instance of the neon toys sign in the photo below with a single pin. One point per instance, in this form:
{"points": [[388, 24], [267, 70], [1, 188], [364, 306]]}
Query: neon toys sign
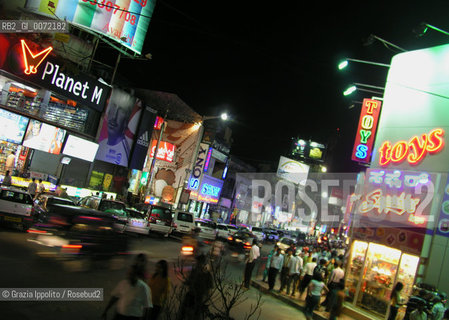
{"points": [[414, 150]]}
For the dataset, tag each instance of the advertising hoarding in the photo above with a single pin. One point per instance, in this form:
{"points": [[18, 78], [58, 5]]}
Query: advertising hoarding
{"points": [[125, 21], [143, 137], [414, 105], [308, 149], [12, 127], [80, 148], [165, 152], [293, 171], [210, 189], [44, 137], [119, 128], [366, 131]]}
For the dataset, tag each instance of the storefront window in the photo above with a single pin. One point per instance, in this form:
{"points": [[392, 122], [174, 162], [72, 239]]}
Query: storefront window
{"points": [[378, 278], [355, 268]]}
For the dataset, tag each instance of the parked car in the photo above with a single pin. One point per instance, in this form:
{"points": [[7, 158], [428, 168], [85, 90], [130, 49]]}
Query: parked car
{"points": [[183, 222], [223, 231], [232, 228], [16, 207], [285, 243], [208, 229], [45, 201], [160, 219], [271, 235], [259, 233], [137, 222]]}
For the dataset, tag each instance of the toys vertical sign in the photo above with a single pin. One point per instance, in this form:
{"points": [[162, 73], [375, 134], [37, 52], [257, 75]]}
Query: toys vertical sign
{"points": [[366, 131]]}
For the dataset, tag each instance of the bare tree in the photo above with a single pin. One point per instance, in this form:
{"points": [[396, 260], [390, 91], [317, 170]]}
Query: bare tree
{"points": [[225, 293]]}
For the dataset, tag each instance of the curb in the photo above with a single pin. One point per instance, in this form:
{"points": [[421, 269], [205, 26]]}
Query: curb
{"points": [[285, 299]]}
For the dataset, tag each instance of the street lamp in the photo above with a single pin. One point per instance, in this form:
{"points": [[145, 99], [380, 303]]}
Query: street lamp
{"points": [[387, 44], [224, 116], [423, 27], [344, 63], [359, 87]]}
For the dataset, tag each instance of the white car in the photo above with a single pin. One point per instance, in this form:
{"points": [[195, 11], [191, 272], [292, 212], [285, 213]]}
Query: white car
{"points": [[183, 222], [137, 222], [258, 232], [16, 207], [208, 229], [223, 231]]}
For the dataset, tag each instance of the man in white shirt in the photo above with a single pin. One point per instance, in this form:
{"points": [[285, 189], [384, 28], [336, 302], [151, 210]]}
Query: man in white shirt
{"points": [[307, 274], [254, 253], [336, 276], [294, 270], [276, 263]]}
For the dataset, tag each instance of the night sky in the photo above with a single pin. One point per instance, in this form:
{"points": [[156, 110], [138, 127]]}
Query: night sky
{"points": [[273, 65]]}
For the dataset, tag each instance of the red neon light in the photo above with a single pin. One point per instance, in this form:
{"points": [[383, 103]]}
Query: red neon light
{"points": [[32, 61], [415, 150], [364, 140]]}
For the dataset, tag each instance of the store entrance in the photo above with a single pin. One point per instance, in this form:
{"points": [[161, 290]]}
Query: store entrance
{"points": [[372, 272]]}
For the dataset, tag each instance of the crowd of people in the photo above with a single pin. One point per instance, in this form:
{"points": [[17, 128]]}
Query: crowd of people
{"points": [[314, 271]]}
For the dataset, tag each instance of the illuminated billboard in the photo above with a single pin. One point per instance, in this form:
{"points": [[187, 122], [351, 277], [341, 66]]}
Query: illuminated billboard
{"points": [[125, 21], [293, 171], [308, 149], [80, 148], [13, 126], [415, 113], [44, 137], [366, 131]]}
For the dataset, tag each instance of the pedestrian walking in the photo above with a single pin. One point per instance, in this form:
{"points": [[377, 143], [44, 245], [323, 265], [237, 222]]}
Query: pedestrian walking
{"points": [[32, 187], [314, 291], [307, 276], [334, 279], [438, 309], [132, 297], [267, 264], [7, 181], [159, 284], [254, 253], [275, 265], [285, 269], [339, 295], [294, 271], [395, 301], [40, 187]]}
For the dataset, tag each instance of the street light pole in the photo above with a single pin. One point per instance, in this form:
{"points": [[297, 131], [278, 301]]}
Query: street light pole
{"points": [[343, 64]]}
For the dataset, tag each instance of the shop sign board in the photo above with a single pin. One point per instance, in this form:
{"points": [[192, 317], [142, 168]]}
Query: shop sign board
{"points": [[210, 189], [33, 63], [397, 198], [443, 221], [125, 21], [366, 131], [198, 168], [414, 111], [394, 208]]}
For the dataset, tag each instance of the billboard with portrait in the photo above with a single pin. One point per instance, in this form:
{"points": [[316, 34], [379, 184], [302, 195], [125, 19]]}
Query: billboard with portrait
{"points": [[13, 126], [125, 21], [308, 149], [119, 128], [44, 137]]}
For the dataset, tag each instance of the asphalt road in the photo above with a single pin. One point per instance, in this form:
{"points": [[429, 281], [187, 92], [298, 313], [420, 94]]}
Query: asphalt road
{"points": [[25, 264]]}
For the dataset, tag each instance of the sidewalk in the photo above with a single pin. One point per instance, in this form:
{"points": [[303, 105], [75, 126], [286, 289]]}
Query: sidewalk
{"points": [[294, 302]]}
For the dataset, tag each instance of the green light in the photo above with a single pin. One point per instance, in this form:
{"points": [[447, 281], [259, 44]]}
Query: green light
{"points": [[342, 64], [349, 90]]}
